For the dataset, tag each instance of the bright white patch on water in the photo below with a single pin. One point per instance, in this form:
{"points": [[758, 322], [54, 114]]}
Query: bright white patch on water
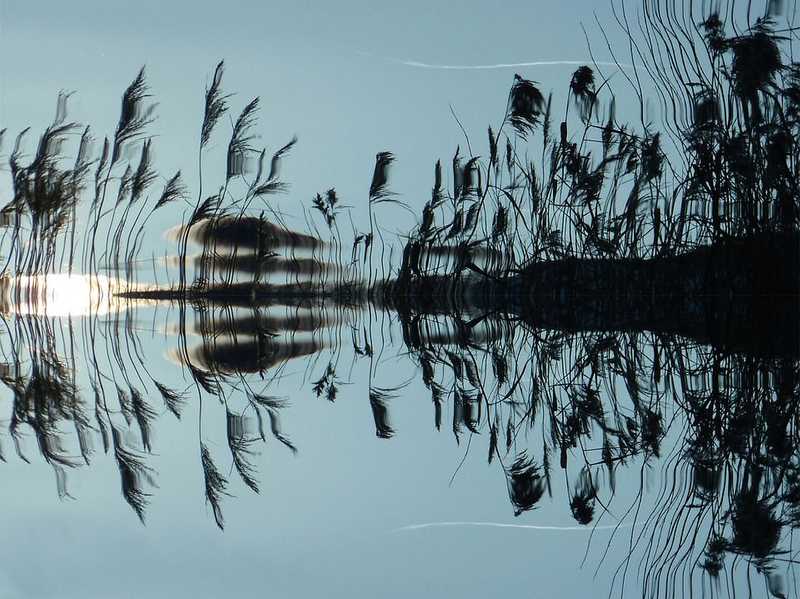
{"points": [[62, 294]]}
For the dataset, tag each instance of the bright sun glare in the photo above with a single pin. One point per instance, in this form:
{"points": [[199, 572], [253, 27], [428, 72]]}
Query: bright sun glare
{"points": [[62, 294]]}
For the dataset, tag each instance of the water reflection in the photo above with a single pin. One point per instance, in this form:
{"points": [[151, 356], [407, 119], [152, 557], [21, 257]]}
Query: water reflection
{"points": [[706, 439], [64, 294], [611, 329], [236, 341]]}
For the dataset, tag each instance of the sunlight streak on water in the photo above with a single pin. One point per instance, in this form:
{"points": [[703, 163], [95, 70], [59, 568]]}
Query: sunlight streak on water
{"points": [[63, 294]]}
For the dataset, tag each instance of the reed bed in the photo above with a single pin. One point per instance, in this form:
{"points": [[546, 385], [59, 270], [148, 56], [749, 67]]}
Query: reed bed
{"points": [[497, 292]]}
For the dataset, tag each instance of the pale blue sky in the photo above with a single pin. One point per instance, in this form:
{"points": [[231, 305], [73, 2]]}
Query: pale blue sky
{"points": [[326, 72]]}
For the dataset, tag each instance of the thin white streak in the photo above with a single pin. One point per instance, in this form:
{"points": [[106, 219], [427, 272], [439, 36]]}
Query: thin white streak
{"points": [[503, 525], [505, 65]]}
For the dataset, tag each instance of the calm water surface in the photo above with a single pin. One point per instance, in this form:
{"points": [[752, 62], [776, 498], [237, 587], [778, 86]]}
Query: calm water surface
{"points": [[303, 444]]}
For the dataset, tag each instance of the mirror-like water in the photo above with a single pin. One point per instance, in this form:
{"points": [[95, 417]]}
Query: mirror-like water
{"points": [[555, 353], [328, 433]]}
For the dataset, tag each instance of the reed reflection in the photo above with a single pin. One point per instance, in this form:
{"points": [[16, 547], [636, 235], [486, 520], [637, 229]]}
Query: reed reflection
{"points": [[595, 409], [618, 313]]}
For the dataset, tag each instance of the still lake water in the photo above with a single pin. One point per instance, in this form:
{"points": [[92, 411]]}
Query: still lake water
{"points": [[596, 481], [312, 446]]}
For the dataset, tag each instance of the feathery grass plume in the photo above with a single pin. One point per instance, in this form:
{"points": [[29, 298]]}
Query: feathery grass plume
{"points": [[175, 189], [526, 485], [215, 485], [791, 90], [134, 116], [61, 107], [240, 445], [378, 189], [378, 399], [51, 142], [239, 147], [329, 376], [458, 174], [272, 405], [706, 110], [428, 216], [547, 122], [101, 166], [331, 393], [756, 62], [320, 384], [50, 145], [16, 152], [609, 129], [215, 105], [101, 425], [133, 471], [457, 364], [493, 436], [583, 499], [582, 87], [546, 467], [270, 187], [208, 381], [437, 398], [437, 193], [275, 164], [714, 33], [207, 209], [715, 555], [652, 157], [145, 175], [144, 417], [173, 400], [125, 404], [457, 225], [472, 217], [260, 168], [84, 431], [277, 403], [493, 157], [82, 159], [471, 178], [652, 430], [500, 223], [42, 185], [319, 204], [277, 432], [510, 156], [327, 206], [607, 456], [756, 528], [525, 106], [332, 199], [472, 411], [125, 183], [499, 367]]}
